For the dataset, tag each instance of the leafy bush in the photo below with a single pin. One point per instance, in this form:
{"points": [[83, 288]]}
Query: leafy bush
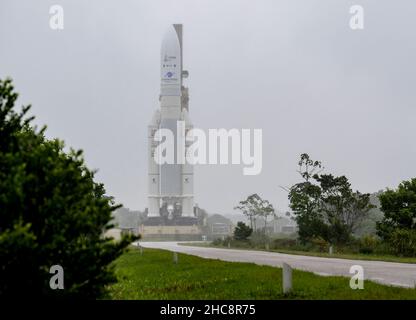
{"points": [[368, 244], [284, 243], [321, 244], [398, 227], [242, 231], [52, 212], [403, 242]]}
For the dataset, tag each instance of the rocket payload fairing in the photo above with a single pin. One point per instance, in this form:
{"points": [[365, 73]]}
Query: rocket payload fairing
{"points": [[170, 186]]}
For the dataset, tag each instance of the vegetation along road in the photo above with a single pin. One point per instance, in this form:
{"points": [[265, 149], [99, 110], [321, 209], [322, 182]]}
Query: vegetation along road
{"points": [[391, 273]]}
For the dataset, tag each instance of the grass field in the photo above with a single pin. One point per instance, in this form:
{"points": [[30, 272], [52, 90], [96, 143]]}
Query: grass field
{"points": [[153, 275], [352, 256]]}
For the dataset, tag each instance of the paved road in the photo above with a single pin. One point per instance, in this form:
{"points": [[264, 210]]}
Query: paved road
{"points": [[392, 273]]}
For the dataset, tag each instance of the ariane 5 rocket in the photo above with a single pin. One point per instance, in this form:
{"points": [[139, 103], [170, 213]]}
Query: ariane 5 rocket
{"points": [[170, 186]]}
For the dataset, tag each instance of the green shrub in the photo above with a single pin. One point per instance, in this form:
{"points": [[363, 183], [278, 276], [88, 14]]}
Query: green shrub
{"points": [[403, 242], [320, 244], [398, 226], [284, 243], [217, 242], [52, 212], [368, 244], [242, 231]]}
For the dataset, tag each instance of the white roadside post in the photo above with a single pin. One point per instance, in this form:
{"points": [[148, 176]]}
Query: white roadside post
{"points": [[175, 257], [287, 278], [331, 250]]}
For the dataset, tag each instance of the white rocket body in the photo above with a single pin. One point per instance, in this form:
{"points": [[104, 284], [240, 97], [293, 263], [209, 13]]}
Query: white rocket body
{"points": [[170, 185]]}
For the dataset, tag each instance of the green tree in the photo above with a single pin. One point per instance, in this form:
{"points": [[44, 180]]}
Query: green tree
{"points": [[254, 206], [242, 231], [398, 227], [266, 211], [325, 206], [52, 212], [304, 198], [343, 210]]}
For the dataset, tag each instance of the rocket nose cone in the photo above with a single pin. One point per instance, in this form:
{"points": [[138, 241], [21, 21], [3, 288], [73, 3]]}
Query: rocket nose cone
{"points": [[171, 63], [170, 44]]}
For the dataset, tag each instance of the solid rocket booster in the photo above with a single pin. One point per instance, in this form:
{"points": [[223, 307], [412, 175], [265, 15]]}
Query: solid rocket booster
{"points": [[171, 185]]}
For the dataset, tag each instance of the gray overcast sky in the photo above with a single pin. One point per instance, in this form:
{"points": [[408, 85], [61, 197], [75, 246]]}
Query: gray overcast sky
{"points": [[293, 68]]}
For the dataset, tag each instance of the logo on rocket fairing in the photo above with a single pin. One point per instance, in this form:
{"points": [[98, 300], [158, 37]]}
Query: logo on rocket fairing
{"points": [[169, 74]]}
